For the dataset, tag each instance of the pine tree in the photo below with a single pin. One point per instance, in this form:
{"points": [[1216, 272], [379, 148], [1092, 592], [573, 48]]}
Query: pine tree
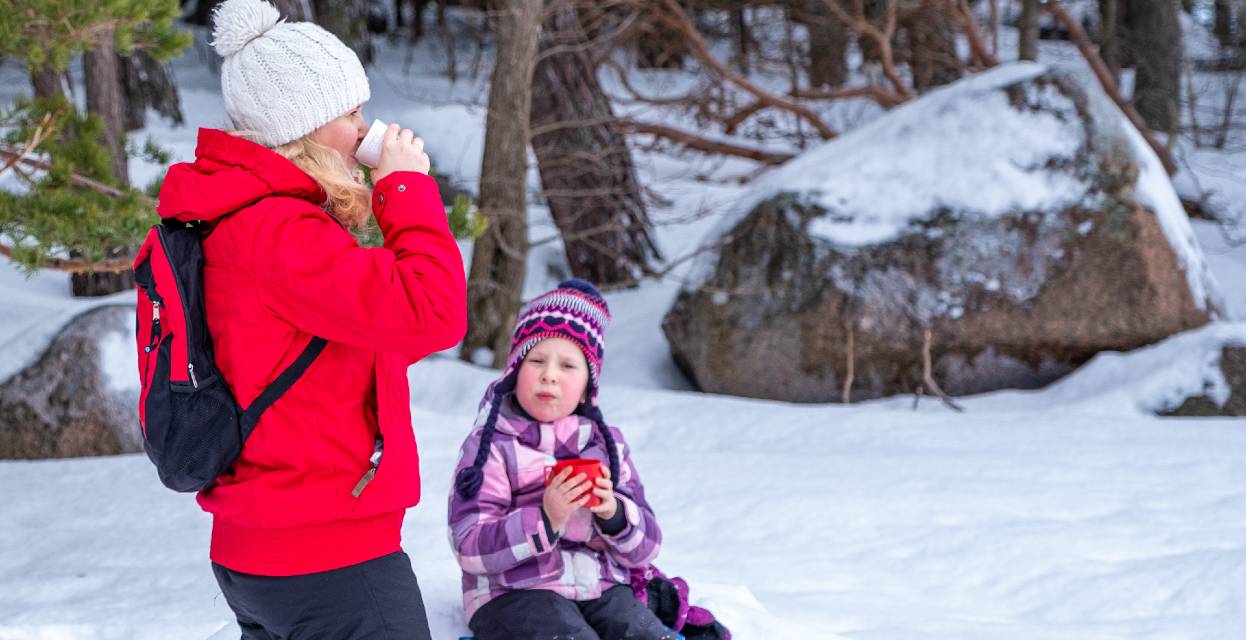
{"points": [[74, 212]]}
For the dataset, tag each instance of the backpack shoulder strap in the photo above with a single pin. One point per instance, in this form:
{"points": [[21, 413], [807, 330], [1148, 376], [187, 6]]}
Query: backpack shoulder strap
{"points": [[251, 416]]}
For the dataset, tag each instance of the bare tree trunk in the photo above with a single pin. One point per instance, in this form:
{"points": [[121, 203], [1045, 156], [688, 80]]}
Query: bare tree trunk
{"points": [[930, 32], [102, 74], [739, 29], [495, 284], [1028, 29], [828, 44], [48, 82], [101, 68], [1155, 41], [148, 83], [586, 166], [1224, 22], [1109, 38], [417, 20]]}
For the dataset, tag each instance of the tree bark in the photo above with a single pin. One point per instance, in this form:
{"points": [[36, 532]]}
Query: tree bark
{"points": [[495, 284], [89, 284], [1109, 37], [148, 83], [1028, 28], [101, 68], [1155, 41], [586, 167], [47, 82], [417, 19], [828, 44], [102, 73], [930, 32], [1223, 27], [739, 31]]}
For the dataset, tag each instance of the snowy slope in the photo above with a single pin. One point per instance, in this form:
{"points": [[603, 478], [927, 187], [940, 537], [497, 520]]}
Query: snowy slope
{"points": [[1056, 514]]}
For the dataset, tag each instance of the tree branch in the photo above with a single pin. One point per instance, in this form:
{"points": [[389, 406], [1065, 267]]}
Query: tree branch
{"points": [[928, 375], [881, 37], [78, 181], [693, 141], [977, 46], [1084, 45], [78, 265], [677, 19]]}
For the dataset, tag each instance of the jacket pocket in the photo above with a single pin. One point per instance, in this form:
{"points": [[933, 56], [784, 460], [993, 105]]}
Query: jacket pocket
{"points": [[546, 568]]}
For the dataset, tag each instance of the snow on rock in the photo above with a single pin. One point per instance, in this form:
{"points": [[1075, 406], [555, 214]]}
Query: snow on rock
{"points": [[1016, 215]]}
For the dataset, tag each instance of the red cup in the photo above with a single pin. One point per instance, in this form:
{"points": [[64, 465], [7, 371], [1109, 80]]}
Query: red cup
{"points": [[586, 466]]}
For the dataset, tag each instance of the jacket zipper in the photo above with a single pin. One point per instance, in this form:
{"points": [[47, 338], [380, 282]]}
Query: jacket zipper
{"points": [[371, 472]]}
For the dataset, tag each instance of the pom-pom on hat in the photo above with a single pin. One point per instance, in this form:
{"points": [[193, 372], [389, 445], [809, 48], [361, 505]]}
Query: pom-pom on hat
{"points": [[282, 80]]}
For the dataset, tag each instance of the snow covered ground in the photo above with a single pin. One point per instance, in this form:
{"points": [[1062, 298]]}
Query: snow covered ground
{"points": [[1069, 512]]}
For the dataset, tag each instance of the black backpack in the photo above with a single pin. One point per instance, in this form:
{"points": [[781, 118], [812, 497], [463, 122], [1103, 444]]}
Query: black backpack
{"points": [[193, 428]]}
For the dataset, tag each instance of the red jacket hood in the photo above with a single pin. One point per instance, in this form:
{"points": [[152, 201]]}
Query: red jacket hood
{"points": [[230, 173]]}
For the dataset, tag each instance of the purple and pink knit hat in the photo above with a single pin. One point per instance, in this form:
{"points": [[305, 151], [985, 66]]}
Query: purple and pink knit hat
{"points": [[576, 311]]}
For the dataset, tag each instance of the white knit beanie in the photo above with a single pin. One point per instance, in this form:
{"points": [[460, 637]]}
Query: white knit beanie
{"points": [[282, 80]]}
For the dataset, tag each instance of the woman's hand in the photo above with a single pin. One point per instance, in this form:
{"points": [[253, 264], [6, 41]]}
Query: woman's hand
{"points": [[400, 151], [563, 495], [605, 490]]}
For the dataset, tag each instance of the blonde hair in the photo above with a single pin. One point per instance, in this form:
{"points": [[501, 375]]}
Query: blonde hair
{"points": [[349, 199]]}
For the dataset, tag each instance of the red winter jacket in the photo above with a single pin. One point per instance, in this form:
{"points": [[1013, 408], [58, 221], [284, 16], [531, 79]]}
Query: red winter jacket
{"points": [[277, 271]]}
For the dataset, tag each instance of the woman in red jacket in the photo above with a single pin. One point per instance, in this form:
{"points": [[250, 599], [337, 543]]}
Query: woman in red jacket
{"points": [[306, 524]]}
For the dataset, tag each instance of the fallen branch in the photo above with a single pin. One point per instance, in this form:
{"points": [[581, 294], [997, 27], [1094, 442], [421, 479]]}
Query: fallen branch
{"points": [[846, 396], [693, 141], [1078, 35], [928, 376]]}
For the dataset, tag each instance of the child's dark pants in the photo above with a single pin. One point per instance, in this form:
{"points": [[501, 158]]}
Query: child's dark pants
{"points": [[537, 614]]}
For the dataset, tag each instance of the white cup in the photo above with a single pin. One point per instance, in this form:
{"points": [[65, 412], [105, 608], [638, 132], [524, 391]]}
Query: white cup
{"points": [[369, 151]]}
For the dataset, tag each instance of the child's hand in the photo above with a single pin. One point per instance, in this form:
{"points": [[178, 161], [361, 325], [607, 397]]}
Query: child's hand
{"points": [[563, 495], [604, 490]]}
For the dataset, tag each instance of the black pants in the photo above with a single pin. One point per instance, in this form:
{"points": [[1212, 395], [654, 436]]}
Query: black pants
{"points": [[378, 599], [537, 614]]}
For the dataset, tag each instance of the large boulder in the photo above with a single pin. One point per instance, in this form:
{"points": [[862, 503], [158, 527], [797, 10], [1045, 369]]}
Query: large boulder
{"points": [[1015, 215], [79, 398]]}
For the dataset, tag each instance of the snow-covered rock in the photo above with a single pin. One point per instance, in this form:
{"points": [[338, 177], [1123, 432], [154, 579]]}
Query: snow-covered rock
{"points": [[1223, 394], [1016, 215], [76, 399]]}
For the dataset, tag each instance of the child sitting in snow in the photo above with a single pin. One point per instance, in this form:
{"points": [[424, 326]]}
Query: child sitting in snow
{"points": [[537, 562]]}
